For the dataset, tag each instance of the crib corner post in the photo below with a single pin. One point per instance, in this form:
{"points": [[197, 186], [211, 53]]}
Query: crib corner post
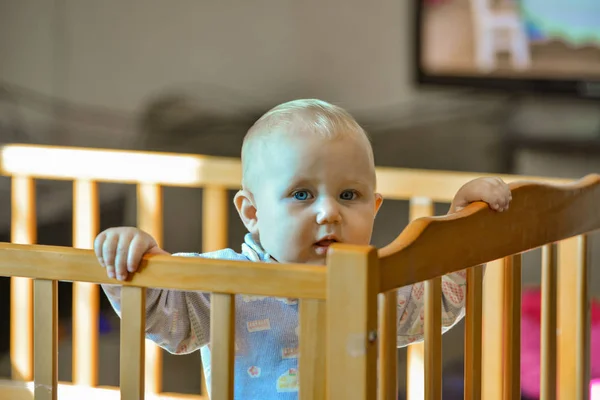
{"points": [[352, 289]]}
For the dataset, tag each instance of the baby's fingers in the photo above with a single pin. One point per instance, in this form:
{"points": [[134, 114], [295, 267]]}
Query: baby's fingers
{"points": [[123, 249], [507, 196], [109, 250], [98, 244], [137, 249], [499, 197]]}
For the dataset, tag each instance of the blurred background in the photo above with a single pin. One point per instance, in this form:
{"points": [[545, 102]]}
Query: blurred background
{"points": [[468, 85]]}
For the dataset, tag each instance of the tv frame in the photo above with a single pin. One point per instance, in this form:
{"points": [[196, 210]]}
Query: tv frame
{"points": [[580, 88]]}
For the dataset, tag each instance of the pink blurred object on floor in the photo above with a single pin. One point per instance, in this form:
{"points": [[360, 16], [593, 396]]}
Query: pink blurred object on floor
{"points": [[595, 389], [530, 345]]}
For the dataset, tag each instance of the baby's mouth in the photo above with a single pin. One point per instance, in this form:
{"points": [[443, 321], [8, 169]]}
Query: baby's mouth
{"points": [[322, 245], [325, 242]]}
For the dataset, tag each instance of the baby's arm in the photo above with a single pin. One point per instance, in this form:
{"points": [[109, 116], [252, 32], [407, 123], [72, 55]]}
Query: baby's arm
{"points": [[411, 299], [411, 307], [177, 321]]}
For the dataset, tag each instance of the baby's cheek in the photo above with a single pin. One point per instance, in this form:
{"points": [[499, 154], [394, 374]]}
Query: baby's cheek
{"points": [[284, 244], [366, 230]]}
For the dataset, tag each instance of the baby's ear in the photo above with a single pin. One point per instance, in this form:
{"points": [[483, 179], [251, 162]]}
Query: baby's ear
{"points": [[244, 204], [378, 202]]}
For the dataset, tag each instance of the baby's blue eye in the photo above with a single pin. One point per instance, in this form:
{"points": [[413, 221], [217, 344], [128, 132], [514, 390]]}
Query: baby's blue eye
{"points": [[348, 195], [301, 195]]}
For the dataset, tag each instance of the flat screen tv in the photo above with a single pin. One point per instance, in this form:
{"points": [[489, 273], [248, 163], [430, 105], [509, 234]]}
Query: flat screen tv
{"points": [[550, 46]]}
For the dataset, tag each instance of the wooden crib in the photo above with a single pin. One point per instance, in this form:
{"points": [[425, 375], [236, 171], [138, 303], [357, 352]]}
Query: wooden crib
{"points": [[347, 310]]}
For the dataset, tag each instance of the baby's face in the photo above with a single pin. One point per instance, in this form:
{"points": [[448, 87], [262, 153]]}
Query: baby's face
{"points": [[311, 193]]}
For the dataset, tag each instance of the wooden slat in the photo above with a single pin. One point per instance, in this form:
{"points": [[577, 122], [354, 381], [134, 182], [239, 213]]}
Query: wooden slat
{"points": [[214, 218], [214, 232], [493, 303], [433, 339], [473, 334], [409, 259], [46, 339], [548, 329], [583, 325], [415, 373], [86, 296], [419, 207], [312, 363], [573, 319], [150, 210], [568, 381], [352, 322], [512, 328], [182, 273], [133, 322], [222, 345], [502, 329], [388, 344], [23, 231], [150, 220]]}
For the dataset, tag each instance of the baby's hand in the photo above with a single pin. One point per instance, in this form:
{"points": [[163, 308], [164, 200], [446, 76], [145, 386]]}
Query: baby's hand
{"points": [[491, 190], [120, 250]]}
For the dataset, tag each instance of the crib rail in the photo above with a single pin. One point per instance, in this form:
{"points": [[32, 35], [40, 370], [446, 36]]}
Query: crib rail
{"points": [[484, 369], [540, 215], [49, 264], [78, 265], [536, 227]]}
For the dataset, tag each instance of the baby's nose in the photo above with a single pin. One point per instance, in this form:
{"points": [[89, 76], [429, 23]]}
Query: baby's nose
{"points": [[328, 212]]}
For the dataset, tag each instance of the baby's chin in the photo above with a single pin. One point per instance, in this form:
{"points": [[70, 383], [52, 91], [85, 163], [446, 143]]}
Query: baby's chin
{"points": [[314, 260]]}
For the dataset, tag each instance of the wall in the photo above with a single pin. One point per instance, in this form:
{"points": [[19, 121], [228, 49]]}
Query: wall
{"points": [[114, 54]]}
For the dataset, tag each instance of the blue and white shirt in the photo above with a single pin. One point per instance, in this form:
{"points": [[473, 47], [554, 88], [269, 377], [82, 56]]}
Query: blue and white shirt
{"points": [[266, 343]]}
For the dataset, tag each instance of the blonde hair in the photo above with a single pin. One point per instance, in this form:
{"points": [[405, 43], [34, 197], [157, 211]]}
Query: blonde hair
{"points": [[309, 115], [316, 115]]}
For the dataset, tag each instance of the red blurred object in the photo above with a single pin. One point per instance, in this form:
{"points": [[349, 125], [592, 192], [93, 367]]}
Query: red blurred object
{"points": [[530, 341]]}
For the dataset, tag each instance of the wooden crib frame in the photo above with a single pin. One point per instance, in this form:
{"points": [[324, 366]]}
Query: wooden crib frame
{"points": [[347, 310]]}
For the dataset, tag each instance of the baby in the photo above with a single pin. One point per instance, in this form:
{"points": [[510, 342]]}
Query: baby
{"points": [[308, 181]]}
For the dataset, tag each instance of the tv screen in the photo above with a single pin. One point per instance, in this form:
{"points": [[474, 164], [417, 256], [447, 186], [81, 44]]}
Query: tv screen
{"points": [[546, 45]]}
